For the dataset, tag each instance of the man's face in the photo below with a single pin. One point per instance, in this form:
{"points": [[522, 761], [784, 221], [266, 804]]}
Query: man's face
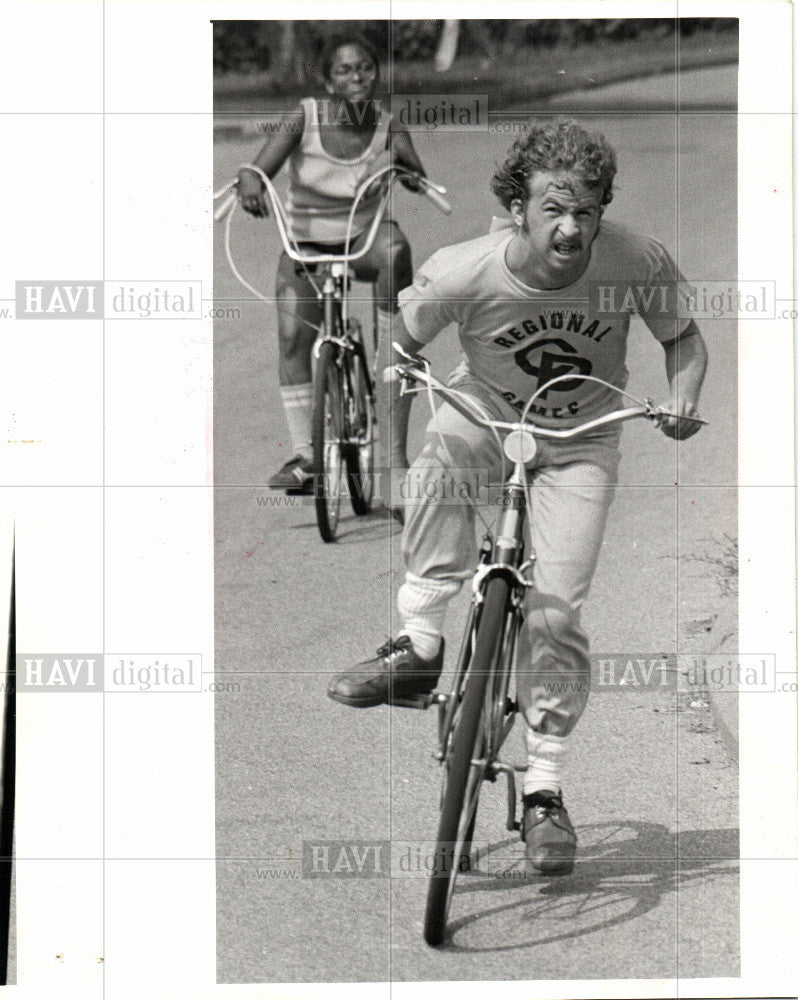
{"points": [[559, 223]]}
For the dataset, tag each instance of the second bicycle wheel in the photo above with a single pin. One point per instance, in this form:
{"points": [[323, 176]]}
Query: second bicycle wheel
{"points": [[329, 433], [359, 450], [464, 780]]}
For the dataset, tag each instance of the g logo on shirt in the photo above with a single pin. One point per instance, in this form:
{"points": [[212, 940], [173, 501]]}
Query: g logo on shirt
{"points": [[547, 364]]}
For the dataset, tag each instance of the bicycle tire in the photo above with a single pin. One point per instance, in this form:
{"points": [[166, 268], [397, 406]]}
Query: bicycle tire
{"points": [[329, 430], [455, 700], [453, 827], [359, 451]]}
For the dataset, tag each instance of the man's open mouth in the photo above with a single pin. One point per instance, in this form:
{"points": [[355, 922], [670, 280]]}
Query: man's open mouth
{"points": [[567, 249]]}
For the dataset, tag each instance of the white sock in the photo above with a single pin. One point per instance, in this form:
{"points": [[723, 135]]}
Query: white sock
{"points": [[298, 406], [546, 759], [422, 608]]}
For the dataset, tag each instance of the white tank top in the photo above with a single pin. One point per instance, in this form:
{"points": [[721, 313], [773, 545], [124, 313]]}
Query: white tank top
{"points": [[321, 187]]}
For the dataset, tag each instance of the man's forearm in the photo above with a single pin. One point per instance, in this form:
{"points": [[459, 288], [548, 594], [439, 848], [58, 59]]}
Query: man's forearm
{"points": [[393, 408], [686, 363]]}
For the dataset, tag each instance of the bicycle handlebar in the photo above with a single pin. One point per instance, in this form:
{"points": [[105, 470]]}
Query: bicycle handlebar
{"points": [[227, 205], [434, 192], [417, 370]]}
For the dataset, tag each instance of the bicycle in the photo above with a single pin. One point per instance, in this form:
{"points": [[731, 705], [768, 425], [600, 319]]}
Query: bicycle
{"points": [[344, 421], [477, 716]]}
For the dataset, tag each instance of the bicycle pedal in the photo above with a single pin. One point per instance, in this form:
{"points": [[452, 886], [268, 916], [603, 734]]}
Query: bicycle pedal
{"points": [[418, 701]]}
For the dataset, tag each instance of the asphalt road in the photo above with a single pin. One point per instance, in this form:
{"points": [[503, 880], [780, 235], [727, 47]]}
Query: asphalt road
{"points": [[652, 793]]}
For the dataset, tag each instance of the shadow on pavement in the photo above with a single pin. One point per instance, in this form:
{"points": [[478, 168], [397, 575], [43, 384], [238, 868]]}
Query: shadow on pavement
{"points": [[374, 526], [623, 871]]}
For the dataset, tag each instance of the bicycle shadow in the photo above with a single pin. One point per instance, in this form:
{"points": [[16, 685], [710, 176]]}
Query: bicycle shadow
{"points": [[377, 525], [623, 871]]}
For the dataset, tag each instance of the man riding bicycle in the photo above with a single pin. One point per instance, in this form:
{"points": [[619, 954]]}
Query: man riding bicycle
{"points": [[531, 301]]}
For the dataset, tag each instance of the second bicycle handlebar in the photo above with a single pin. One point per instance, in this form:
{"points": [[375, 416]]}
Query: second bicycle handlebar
{"points": [[434, 192]]}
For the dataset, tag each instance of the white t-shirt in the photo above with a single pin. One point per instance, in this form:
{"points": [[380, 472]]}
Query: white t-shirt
{"points": [[515, 338]]}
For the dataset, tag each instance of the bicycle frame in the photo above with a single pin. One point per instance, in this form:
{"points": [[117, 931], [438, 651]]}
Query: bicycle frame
{"points": [[338, 264], [476, 718], [335, 285], [344, 405], [505, 557]]}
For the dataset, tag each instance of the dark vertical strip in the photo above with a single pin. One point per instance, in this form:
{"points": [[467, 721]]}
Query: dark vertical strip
{"points": [[9, 762]]}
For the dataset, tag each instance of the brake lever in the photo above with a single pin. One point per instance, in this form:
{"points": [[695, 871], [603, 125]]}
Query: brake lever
{"points": [[406, 374], [657, 414]]}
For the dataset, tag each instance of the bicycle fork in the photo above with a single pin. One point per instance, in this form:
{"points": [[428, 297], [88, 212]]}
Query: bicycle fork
{"points": [[502, 557], [338, 326]]}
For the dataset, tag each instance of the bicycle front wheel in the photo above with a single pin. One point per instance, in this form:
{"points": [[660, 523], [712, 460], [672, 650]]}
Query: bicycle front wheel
{"points": [[464, 780], [329, 431]]}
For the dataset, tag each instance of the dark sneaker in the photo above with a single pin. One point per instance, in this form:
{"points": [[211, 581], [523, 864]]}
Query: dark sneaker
{"points": [[390, 513], [395, 672], [550, 838], [295, 476]]}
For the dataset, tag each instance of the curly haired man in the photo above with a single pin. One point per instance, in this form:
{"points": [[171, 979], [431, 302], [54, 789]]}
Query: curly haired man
{"points": [[521, 298]]}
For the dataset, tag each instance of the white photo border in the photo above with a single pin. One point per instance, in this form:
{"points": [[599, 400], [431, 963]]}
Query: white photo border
{"points": [[126, 104]]}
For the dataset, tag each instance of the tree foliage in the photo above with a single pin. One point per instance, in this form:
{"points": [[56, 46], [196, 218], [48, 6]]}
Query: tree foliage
{"points": [[288, 51]]}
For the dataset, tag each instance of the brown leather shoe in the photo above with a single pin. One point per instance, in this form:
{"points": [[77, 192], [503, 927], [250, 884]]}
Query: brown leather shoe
{"points": [[550, 837], [395, 672]]}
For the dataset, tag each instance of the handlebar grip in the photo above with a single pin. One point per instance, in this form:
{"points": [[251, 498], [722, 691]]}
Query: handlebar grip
{"points": [[438, 200], [225, 207]]}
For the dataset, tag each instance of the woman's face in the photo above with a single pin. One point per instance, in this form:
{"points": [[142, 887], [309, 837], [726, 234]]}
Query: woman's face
{"points": [[353, 74]]}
